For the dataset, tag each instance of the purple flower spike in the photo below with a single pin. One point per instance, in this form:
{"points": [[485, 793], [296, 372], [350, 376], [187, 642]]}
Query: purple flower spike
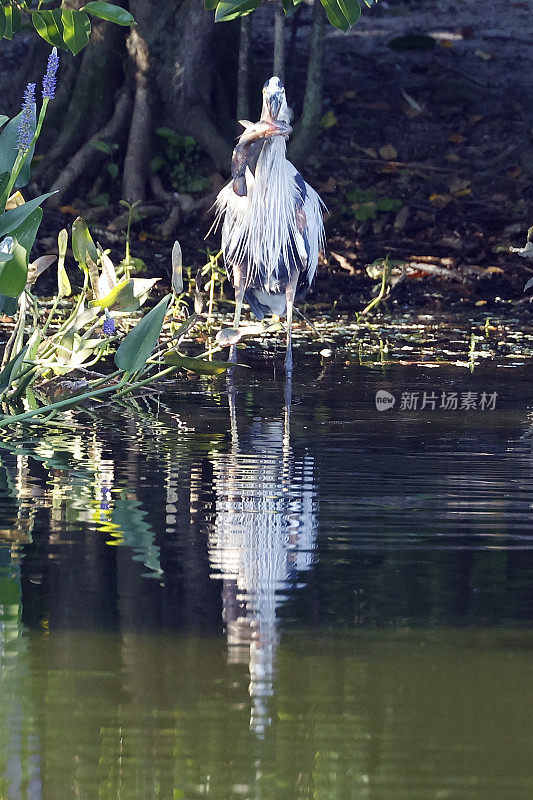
{"points": [[109, 324], [49, 80], [25, 132]]}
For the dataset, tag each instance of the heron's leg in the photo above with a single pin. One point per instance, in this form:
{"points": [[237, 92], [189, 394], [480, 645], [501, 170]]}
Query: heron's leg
{"points": [[290, 291], [239, 297], [287, 411], [232, 403]]}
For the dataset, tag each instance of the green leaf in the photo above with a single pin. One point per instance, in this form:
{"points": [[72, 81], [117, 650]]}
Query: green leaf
{"points": [[388, 204], [8, 305], [9, 373], [4, 180], [110, 12], [8, 149], [26, 232], [231, 9], [12, 15], [104, 147], [177, 268], [211, 4], [128, 295], [82, 243], [351, 10], [49, 27], [342, 13], [290, 6], [199, 365], [13, 273], [3, 22], [115, 295], [10, 220], [63, 283], [76, 29], [137, 347], [328, 120]]}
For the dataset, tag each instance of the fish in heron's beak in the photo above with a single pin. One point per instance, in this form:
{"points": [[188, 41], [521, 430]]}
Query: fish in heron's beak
{"points": [[249, 146], [264, 129]]}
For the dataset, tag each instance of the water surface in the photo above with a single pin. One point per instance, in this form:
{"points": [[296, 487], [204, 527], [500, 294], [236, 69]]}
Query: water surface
{"points": [[259, 593]]}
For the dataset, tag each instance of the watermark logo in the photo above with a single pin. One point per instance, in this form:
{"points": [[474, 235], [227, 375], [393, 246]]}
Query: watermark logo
{"points": [[384, 400], [437, 400]]}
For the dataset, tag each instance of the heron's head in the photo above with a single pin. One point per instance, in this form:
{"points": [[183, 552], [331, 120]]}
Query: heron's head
{"points": [[274, 101]]}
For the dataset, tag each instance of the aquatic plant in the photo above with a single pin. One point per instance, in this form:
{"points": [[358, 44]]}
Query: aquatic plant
{"points": [[20, 219], [60, 365]]}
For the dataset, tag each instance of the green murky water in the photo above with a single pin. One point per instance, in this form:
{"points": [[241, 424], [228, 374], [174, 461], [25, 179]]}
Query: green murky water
{"points": [[218, 595]]}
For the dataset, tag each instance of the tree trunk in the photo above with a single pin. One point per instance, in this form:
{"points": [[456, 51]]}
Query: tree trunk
{"points": [[312, 105], [279, 41], [136, 161], [243, 80]]}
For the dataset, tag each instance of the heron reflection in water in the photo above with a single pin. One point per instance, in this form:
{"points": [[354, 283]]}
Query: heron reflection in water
{"points": [[263, 536]]}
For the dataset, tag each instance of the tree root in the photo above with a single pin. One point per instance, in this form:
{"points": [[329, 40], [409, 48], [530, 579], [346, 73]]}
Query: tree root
{"points": [[88, 155], [83, 115]]}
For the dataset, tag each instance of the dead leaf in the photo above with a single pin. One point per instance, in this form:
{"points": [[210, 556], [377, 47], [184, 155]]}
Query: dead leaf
{"points": [[391, 168], [401, 219], [452, 157], [369, 151], [14, 201], [459, 187], [473, 119], [484, 55], [514, 172], [349, 94], [329, 186], [343, 262], [388, 152], [440, 200], [452, 242], [69, 210], [412, 102], [457, 138]]}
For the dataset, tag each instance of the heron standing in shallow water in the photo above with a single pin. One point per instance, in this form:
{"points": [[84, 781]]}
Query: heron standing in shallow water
{"points": [[273, 229]]}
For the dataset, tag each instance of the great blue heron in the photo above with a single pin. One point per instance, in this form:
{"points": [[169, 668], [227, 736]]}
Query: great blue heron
{"points": [[273, 229]]}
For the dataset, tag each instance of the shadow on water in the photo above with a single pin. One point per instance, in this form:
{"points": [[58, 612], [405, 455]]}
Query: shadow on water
{"points": [[248, 594]]}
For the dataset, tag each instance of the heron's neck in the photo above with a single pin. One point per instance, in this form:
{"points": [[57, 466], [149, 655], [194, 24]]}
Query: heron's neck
{"points": [[272, 161]]}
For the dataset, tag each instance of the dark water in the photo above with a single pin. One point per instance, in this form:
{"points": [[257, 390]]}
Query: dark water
{"points": [[213, 597]]}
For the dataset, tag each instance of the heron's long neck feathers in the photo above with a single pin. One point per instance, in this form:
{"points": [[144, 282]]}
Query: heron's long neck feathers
{"points": [[260, 228]]}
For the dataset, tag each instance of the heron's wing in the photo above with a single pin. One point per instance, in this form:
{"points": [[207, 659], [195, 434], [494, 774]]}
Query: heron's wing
{"points": [[309, 235]]}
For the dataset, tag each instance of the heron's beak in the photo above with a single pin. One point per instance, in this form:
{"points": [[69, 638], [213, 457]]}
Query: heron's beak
{"points": [[274, 103], [280, 128]]}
